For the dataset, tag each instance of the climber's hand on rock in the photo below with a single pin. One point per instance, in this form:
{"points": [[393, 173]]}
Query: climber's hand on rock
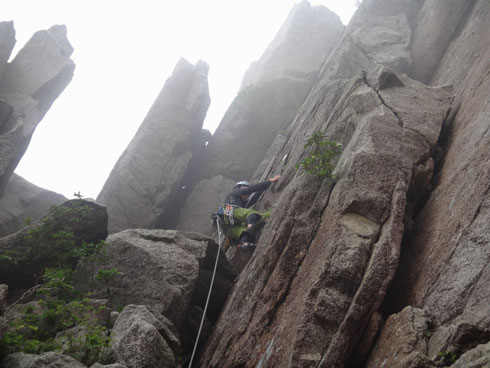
{"points": [[275, 178]]}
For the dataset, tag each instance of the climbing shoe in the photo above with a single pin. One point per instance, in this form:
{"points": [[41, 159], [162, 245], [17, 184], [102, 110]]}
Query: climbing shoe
{"points": [[247, 247]]}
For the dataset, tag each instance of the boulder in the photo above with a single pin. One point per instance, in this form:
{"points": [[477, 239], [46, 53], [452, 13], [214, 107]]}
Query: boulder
{"points": [[151, 171], [162, 269], [28, 87], [23, 203], [403, 341], [272, 91], [475, 358], [28, 251], [144, 339], [7, 43], [46, 360]]}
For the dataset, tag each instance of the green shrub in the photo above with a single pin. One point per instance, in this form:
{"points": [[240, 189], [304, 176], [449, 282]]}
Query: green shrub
{"points": [[61, 305], [319, 161]]}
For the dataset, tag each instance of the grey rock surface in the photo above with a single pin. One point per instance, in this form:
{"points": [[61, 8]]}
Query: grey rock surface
{"points": [[403, 341], [205, 199], [300, 47], [478, 357], [436, 26], [4, 289], [42, 68], [23, 202], [7, 43], [151, 170], [328, 254], [272, 91], [28, 87], [143, 339], [46, 360], [159, 269]]}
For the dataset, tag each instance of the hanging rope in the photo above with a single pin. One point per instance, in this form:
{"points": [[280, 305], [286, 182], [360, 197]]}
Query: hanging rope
{"points": [[209, 295]]}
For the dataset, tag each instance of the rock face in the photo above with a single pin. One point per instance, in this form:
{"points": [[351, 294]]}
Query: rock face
{"points": [[46, 360], [23, 202], [272, 91], [151, 171], [143, 339], [444, 267], [168, 272], [28, 87], [329, 253], [7, 43]]}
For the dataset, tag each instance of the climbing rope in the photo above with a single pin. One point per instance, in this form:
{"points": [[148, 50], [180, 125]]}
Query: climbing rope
{"points": [[209, 295]]}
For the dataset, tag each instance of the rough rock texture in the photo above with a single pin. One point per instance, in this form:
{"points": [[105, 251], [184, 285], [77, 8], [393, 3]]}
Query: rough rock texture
{"points": [[86, 220], [475, 358], [327, 256], [444, 266], [297, 50], [162, 269], [28, 87], [7, 43], [150, 172], [23, 202], [46, 360], [272, 92], [206, 197], [403, 341], [142, 339]]}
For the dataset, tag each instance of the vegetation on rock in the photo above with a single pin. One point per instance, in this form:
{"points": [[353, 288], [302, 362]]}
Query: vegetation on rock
{"points": [[61, 318], [319, 161]]}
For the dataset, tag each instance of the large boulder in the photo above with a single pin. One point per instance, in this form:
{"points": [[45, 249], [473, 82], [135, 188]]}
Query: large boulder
{"points": [[23, 203], [46, 360], [162, 269], [403, 341], [151, 171], [142, 339], [272, 91], [27, 252], [28, 87]]}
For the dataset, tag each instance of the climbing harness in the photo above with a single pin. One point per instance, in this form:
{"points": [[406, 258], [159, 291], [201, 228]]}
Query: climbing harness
{"points": [[209, 295]]}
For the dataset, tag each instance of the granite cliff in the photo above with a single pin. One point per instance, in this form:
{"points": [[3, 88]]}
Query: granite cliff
{"points": [[386, 264]]}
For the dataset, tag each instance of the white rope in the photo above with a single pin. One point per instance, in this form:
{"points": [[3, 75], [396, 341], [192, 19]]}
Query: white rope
{"points": [[209, 295]]}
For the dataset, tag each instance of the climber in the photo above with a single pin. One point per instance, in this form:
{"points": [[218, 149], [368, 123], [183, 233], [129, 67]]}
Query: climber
{"points": [[240, 222]]}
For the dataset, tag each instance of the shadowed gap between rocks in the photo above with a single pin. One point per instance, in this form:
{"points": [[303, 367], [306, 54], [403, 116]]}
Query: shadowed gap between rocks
{"points": [[393, 302], [180, 191]]}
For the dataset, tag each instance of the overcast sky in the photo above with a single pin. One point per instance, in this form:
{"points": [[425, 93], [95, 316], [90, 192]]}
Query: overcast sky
{"points": [[124, 53]]}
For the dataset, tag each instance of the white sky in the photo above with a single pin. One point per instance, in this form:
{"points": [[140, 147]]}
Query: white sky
{"points": [[124, 53]]}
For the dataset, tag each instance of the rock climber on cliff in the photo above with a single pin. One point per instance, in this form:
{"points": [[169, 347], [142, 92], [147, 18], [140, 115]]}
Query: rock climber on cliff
{"points": [[238, 221]]}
